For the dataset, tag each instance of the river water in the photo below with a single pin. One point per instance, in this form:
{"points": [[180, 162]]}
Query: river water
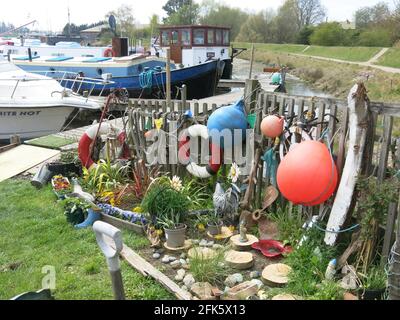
{"points": [[294, 85]]}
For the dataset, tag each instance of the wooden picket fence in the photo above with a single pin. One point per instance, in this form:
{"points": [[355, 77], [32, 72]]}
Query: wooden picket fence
{"points": [[380, 155]]}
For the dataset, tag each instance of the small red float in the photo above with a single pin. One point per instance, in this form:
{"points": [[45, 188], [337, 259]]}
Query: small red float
{"points": [[307, 175], [272, 126], [271, 248]]}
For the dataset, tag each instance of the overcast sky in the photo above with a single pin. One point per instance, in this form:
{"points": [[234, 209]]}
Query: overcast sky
{"points": [[53, 15]]}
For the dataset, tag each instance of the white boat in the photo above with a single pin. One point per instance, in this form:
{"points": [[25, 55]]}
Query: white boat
{"points": [[33, 105]]}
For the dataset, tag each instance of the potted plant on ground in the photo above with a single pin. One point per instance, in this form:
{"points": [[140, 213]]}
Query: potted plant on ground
{"points": [[68, 165], [167, 207], [373, 284], [214, 223]]}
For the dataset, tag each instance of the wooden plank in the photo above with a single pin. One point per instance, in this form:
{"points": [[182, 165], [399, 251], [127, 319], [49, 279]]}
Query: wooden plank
{"points": [[22, 158], [321, 112], [332, 122], [358, 118], [389, 230], [342, 142], [146, 269], [385, 146]]}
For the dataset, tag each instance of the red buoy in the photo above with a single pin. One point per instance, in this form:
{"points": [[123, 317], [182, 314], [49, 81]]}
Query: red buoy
{"points": [[272, 126], [307, 175]]}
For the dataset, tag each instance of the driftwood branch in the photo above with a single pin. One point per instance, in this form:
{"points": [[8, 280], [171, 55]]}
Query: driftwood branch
{"points": [[359, 116]]}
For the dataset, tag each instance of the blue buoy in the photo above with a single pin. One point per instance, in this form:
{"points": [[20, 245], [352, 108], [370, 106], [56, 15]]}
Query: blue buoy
{"points": [[229, 122]]}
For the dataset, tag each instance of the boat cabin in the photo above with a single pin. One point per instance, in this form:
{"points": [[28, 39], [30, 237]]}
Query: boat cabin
{"points": [[194, 44]]}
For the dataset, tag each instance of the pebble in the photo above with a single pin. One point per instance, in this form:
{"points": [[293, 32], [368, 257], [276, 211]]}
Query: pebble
{"points": [[182, 261], [175, 264], [255, 274], [184, 288], [195, 241], [183, 255], [210, 244], [203, 243], [217, 246], [233, 279], [171, 259], [188, 280], [165, 259], [156, 255], [180, 274], [258, 282]]}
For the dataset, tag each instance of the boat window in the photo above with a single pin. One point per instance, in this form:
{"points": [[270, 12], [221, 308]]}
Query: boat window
{"points": [[210, 36], [174, 38], [165, 37], [218, 36], [185, 37], [226, 36], [198, 35], [99, 71]]}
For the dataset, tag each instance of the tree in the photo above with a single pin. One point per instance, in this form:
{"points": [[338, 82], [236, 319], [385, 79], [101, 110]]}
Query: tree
{"points": [[173, 6], [375, 38], [285, 22], [125, 20], [222, 15], [309, 12], [303, 37], [187, 14], [257, 28], [368, 16], [328, 34]]}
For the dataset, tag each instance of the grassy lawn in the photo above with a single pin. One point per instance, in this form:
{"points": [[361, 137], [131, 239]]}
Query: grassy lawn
{"points": [[391, 58], [34, 233], [288, 48], [361, 54], [344, 53]]}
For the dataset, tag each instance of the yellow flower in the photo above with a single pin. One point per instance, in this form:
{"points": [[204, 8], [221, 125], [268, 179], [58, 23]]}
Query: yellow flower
{"points": [[201, 227], [138, 210], [218, 237], [159, 232], [231, 228]]}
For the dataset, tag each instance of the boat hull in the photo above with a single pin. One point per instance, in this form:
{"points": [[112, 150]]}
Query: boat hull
{"points": [[32, 122]]}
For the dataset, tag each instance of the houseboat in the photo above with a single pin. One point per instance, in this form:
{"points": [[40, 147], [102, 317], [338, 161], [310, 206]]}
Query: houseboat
{"points": [[191, 45]]}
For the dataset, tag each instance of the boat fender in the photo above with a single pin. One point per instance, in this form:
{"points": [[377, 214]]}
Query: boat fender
{"points": [[194, 169], [109, 52], [88, 138]]}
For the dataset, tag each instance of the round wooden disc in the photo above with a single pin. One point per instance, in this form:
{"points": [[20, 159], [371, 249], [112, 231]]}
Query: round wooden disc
{"points": [[186, 246], [239, 260], [284, 296], [243, 246], [225, 234], [276, 274], [202, 253]]}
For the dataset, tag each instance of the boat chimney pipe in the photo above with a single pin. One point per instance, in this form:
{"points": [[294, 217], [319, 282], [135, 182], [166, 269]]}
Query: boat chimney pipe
{"points": [[30, 54]]}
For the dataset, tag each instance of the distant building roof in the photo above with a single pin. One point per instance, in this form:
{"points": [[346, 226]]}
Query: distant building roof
{"points": [[347, 24], [96, 29]]}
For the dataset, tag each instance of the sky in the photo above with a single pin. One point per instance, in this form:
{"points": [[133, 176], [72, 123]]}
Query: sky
{"points": [[53, 15]]}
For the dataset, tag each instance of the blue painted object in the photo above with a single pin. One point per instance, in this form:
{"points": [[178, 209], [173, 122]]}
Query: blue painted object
{"points": [[91, 218], [230, 117], [59, 59], [122, 214], [97, 59]]}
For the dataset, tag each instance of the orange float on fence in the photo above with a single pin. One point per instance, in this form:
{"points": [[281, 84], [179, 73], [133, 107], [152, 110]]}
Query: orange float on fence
{"points": [[272, 126], [307, 175]]}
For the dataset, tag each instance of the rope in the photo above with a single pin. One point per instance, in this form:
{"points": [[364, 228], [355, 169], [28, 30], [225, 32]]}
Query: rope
{"points": [[339, 231], [146, 79]]}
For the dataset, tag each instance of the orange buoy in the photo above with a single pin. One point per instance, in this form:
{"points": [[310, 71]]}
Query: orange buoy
{"points": [[272, 126], [307, 175]]}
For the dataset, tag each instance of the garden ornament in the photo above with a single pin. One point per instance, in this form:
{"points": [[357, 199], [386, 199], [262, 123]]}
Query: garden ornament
{"points": [[243, 230], [91, 218], [102, 229], [226, 203]]}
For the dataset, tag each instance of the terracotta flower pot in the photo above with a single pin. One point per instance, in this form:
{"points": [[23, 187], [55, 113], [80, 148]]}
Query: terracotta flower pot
{"points": [[214, 229], [176, 237]]}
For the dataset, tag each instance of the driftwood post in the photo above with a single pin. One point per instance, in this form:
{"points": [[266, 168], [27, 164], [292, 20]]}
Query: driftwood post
{"points": [[394, 267], [358, 124]]}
